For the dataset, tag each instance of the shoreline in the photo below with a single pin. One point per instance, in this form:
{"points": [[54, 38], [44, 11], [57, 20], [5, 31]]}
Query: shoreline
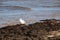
{"points": [[48, 29], [17, 22]]}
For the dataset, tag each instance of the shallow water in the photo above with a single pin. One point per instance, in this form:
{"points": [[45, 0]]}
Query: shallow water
{"points": [[29, 10]]}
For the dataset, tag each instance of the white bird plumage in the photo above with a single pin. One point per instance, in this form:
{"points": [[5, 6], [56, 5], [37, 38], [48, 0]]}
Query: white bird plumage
{"points": [[22, 21]]}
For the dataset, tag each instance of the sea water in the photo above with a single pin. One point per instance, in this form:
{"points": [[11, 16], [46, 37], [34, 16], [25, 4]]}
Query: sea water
{"points": [[29, 10]]}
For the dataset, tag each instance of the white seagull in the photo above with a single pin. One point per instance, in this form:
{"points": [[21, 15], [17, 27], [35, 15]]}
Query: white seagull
{"points": [[22, 21]]}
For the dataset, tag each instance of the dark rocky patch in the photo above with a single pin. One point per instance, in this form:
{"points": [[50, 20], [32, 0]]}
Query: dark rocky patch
{"points": [[36, 31]]}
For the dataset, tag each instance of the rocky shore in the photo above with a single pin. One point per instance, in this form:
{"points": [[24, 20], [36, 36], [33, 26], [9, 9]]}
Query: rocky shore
{"points": [[48, 29]]}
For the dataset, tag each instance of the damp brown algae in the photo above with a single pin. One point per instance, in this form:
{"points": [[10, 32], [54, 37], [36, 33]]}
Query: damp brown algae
{"points": [[49, 29]]}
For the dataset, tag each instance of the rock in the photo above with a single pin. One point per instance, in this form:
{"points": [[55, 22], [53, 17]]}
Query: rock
{"points": [[46, 30]]}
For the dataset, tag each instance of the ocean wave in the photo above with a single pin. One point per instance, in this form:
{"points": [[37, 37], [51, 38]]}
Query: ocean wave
{"points": [[15, 7]]}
